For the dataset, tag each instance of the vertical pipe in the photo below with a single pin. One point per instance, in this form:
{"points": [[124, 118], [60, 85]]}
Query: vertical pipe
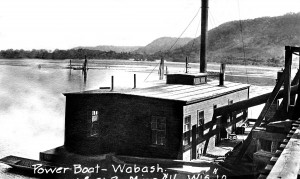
{"points": [[134, 81], [112, 83], [203, 45], [166, 69]]}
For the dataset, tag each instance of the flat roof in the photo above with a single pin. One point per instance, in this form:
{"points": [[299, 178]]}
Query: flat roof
{"points": [[177, 92], [187, 74]]}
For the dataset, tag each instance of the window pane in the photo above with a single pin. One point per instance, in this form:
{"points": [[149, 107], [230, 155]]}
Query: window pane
{"points": [[187, 120], [186, 140], [161, 126], [94, 119], [161, 141], [153, 119], [154, 137], [154, 126], [158, 130], [93, 123], [162, 120]]}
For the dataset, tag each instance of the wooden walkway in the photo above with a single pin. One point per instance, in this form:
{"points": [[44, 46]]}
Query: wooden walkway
{"points": [[287, 165]]}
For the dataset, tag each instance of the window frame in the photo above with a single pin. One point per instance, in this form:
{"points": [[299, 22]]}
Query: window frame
{"points": [[93, 123], [158, 130], [187, 130]]}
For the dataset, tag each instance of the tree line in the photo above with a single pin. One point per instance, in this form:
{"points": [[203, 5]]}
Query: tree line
{"points": [[70, 54]]}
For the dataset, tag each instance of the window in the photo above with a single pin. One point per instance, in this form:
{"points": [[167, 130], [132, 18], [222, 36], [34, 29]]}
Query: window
{"points": [[200, 123], [94, 124], [158, 130], [186, 130]]}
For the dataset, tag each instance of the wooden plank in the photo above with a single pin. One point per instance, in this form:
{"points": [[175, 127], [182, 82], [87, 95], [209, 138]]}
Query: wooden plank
{"points": [[251, 102], [270, 100], [268, 168], [278, 153], [262, 134], [214, 120], [176, 91], [282, 146], [203, 93], [188, 91], [285, 141], [157, 89], [170, 88], [211, 94], [261, 176], [288, 164], [273, 160]]}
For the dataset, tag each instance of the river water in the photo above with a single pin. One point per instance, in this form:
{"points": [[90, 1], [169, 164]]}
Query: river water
{"points": [[32, 105]]}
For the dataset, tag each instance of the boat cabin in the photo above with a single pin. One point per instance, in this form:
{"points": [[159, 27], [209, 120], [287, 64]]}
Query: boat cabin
{"points": [[168, 121]]}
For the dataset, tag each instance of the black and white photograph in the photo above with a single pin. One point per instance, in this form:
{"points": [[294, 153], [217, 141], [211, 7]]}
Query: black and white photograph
{"points": [[149, 89]]}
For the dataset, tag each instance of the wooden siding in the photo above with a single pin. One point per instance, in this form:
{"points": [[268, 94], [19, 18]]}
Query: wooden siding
{"points": [[124, 125], [208, 107]]}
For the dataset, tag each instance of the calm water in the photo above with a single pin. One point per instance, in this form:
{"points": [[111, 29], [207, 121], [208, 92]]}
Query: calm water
{"points": [[32, 104]]}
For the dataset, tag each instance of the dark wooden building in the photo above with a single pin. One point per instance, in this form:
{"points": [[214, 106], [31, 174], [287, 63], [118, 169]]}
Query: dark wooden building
{"points": [[148, 122]]}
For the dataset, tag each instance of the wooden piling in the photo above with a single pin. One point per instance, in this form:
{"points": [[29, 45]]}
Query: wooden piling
{"points": [[287, 79], [134, 81], [112, 83], [222, 74]]}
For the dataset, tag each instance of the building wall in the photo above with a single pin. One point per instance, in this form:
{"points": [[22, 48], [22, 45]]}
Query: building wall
{"points": [[208, 106], [124, 125]]}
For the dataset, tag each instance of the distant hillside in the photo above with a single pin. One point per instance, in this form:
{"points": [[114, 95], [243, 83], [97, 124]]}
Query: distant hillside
{"points": [[162, 44], [107, 48], [264, 40]]}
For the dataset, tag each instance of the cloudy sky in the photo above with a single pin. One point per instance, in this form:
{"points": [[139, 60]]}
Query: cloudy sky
{"points": [[63, 24]]}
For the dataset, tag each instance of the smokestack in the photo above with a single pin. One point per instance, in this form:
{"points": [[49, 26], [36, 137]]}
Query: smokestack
{"points": [[204, 19]]}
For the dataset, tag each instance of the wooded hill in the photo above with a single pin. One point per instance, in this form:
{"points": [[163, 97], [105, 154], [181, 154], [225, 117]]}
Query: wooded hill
{"points": [[107, 48], [263, 40], [257, 41], [163, 44]]}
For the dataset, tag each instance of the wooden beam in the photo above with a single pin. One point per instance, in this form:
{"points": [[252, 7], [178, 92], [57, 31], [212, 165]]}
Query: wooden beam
{"points": [[251, 102], [214, 120], [263, 134], [263, 113], [294, 49], [295, 82], [194, 142], [287, 80]]}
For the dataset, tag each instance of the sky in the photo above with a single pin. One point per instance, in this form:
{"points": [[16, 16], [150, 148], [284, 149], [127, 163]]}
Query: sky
{"points": [[64, 24]]}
